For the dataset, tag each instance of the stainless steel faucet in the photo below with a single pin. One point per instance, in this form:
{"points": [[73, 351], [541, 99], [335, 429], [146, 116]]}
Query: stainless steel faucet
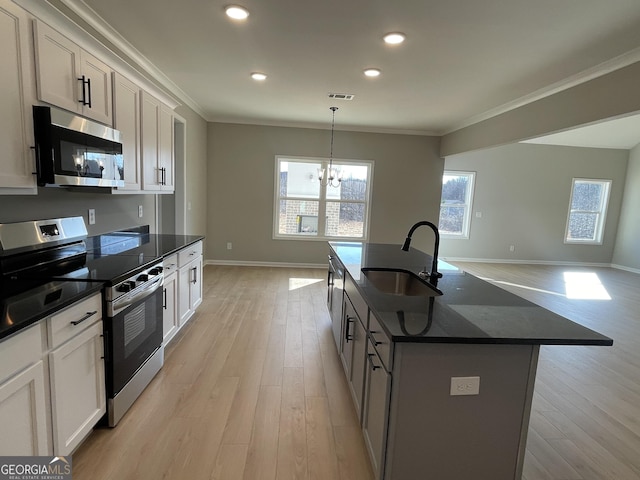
{"points": [[434, 275]]}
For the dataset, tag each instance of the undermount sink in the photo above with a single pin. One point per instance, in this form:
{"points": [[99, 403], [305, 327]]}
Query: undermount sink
{"points": [[399, 282]]}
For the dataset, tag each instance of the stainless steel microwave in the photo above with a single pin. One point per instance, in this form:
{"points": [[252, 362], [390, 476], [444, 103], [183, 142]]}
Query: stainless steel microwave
{"points": [[73, 151]]}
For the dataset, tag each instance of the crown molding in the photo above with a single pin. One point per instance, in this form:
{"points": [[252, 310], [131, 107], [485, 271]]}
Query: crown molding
{"points": [[621, 61], [95, 21]]}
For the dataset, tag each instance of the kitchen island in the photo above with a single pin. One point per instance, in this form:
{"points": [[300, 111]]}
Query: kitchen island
{"points": [[442, 379]]}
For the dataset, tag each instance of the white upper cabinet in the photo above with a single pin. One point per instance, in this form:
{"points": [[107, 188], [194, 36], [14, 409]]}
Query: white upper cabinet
{"points": [[126, 119], [71, 78], [17, 94], [157, 145]]}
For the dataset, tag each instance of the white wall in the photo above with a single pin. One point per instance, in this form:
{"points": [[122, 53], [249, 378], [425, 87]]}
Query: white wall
{"points": [[523, 193], [406, 188], [627, 248]]}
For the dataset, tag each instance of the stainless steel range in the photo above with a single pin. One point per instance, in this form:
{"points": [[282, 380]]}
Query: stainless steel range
{"points": [[36, 255]]}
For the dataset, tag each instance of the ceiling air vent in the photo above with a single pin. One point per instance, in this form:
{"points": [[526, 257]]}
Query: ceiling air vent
{"points": [[342, 96]]}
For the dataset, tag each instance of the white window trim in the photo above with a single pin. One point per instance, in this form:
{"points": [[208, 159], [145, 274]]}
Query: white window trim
{"points": [[322, 199], [466, 221], [602, 219]]}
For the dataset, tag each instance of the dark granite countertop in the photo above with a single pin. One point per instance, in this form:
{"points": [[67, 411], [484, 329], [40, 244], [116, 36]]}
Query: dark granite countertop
{"points": [[470, 310]]}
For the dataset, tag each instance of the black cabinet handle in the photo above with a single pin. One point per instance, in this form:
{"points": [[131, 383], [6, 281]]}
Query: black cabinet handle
{"points": [[347, 336], [373, 339], [370, 358], [87, 316], [195, 275], [164, 298], [89, 91], [85, 81]]}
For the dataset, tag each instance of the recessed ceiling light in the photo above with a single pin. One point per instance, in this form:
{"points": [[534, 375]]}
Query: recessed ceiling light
{"points": [[394, 38], [259, 76], [372, 72], [236, 12]]}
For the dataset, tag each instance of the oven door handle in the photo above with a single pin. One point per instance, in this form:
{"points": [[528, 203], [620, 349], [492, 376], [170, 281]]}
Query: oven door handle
{"points": [[120, 304]]}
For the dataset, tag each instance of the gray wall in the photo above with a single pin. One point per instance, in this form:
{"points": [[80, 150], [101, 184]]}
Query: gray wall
{"points": [[406, 187], [608, 96], [193, 174], [113, 212], [523, 193], [627, 249]]}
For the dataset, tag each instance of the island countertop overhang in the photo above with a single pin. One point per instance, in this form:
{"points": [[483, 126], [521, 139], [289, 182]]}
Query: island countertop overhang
{"points": [[470, 311]]}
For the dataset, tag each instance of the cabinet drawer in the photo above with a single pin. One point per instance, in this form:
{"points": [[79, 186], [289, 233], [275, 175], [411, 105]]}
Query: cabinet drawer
{"points": [[189, 253], [20, 350], [380, 341], [170, 264], [70, 322]]}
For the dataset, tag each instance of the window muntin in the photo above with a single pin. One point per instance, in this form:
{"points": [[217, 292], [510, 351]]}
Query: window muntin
{"points": [[456, 203], [587, 211], [307, 210]]}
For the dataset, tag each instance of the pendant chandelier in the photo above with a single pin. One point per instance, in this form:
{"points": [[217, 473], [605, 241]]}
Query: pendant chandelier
{"points": [[333, 174]]}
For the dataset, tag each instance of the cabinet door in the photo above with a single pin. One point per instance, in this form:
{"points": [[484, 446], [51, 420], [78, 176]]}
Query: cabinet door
{"points": [[166, 146], [97, 92], [22, 413], [356, 377], [169, 307], [17, 86], [126, 119], [184, 294], [349, 318], [150, 124], [78, 397], [57, 68], [376, 410], [195, 284]]}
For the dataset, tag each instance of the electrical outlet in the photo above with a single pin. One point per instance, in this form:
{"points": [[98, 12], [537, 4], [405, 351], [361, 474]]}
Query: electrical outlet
{"points": [[92, 216], [512, 248], [229, 246], [465, 386], [140, 211], [478, 214]]}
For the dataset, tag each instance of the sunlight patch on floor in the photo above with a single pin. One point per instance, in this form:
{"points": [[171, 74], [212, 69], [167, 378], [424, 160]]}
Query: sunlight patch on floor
{"points": [[584, 286], [295, 283]]}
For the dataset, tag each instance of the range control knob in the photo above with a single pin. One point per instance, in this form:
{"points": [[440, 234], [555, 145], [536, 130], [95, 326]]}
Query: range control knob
{"points": [[155, 271], [142, 278], [124, 287]]}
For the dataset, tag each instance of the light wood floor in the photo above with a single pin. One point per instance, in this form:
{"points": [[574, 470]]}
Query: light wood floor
{"points": [[253, 388]]}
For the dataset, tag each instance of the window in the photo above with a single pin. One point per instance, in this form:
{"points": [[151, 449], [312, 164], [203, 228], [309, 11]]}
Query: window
{"points": [[587, 211], [455, 204], [306, 210]]}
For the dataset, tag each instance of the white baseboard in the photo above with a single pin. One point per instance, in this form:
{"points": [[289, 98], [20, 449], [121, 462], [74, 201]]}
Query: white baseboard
{"points": [[525, 262], [238, 263], [626, 269]]}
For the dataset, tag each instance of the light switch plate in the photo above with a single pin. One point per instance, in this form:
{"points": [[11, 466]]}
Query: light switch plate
{"points": [[140, 211], [92, 216], [465, 386]]}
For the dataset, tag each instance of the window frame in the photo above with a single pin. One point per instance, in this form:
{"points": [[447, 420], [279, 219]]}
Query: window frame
{"points": [[466, 220], [322, 200], [602, 212]]}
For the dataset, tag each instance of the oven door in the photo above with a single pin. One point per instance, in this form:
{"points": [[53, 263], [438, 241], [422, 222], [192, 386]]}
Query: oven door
{"points": [[133, 334]]}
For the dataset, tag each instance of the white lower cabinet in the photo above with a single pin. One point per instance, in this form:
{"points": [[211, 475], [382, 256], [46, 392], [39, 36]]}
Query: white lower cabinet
{"points": [[375, 411], [169, 307], [23, 413], [189, 281], [78, 398], [52, 385]]}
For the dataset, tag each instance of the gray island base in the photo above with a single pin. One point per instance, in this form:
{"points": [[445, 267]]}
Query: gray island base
{"points": [[442, 384]]}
